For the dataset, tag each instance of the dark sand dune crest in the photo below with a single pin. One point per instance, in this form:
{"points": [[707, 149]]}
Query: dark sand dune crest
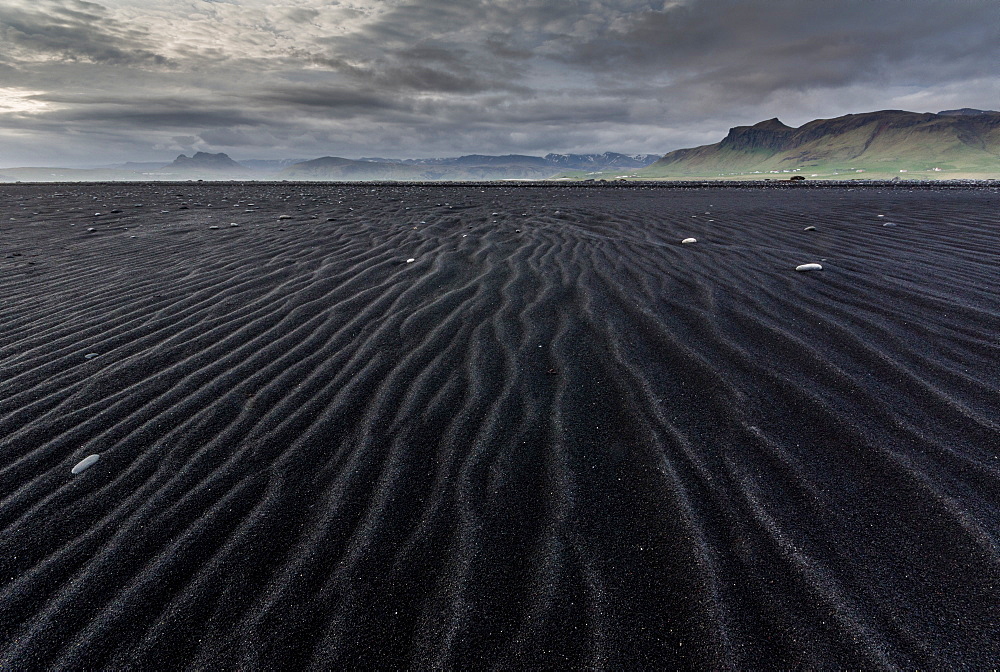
{"points": [[557, 438]]}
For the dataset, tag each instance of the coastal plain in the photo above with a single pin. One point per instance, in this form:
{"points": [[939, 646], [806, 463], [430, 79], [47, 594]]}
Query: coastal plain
{"points": [[494, 425]]}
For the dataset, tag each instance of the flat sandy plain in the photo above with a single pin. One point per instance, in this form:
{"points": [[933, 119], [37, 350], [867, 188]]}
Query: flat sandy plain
{"points": [[556, 438]]}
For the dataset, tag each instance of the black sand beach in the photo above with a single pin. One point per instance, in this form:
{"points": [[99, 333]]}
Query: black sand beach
{"points": [[556, 438]]}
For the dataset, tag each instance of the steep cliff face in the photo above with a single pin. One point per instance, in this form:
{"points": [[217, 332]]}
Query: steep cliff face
{"points": [[770, 135], [886, 140]]}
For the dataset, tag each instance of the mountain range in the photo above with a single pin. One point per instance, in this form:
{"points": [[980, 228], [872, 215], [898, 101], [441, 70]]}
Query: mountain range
{"points": [[889, 143], [962, 143], [473, 167]]}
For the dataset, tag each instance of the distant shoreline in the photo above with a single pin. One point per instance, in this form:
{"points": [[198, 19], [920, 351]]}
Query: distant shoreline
{"points": [[560, 183]]}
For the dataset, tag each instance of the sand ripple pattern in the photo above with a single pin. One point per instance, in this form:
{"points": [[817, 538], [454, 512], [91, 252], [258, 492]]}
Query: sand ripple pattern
{"points": [[557, 438]]}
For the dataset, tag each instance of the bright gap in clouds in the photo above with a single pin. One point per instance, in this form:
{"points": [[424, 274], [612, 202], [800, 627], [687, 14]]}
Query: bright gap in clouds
{"points": [[21, 101]]}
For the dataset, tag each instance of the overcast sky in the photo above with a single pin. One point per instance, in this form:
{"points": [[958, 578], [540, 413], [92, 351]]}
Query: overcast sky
{"points": [[85, 83]]}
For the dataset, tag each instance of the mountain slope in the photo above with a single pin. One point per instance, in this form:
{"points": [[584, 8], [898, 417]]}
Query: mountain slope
{"points": [[886, 142]]}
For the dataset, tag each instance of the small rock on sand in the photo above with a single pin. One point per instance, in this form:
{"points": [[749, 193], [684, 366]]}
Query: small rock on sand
{"points": [[689, 240], [85, 463], [284, 216], [410, 261], [809, 228], [809, 267]]}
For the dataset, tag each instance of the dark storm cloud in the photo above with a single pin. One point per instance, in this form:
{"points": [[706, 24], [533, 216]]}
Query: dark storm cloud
{"points": [[334, 99], [420, 77], [410, 72], [140, 118], [234, 137], [767, 46], [71, 30]]}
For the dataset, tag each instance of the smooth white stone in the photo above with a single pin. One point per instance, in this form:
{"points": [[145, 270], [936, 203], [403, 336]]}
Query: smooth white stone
{"points": [[410, 261], [809, 267], [809, 228], [85, 463], [689, 240]]}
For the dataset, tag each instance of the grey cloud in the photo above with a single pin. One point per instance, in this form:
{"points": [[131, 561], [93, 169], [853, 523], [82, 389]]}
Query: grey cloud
{"points": [[300, 15], [185, 141], [139, 112], [71, 30], [336, 100], [503, 46], [236, 137], [799, 43], [421, 77]]}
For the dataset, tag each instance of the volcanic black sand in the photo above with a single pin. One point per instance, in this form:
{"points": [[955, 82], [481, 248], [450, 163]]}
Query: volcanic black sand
{"points": [[556, 438]]}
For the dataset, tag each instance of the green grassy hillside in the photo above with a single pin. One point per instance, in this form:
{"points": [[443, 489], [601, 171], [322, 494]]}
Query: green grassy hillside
{"points": [[875, 145]]}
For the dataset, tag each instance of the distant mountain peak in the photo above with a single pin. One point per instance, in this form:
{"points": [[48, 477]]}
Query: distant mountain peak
{"points": [[206, 161], [772, 125]]}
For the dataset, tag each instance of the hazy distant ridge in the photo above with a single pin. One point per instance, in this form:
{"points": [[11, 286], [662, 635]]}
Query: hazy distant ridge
{"points": [[468, 167], [220, 166]]}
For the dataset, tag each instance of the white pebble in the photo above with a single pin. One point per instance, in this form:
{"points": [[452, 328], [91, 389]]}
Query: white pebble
{"points": [[85, 463], [809, 267], [689, 240], [284, 216], [809, 228], [410, 261]]}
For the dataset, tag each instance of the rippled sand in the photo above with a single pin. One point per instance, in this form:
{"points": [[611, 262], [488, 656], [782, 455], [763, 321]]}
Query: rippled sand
{"points": [[556, 438]]}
